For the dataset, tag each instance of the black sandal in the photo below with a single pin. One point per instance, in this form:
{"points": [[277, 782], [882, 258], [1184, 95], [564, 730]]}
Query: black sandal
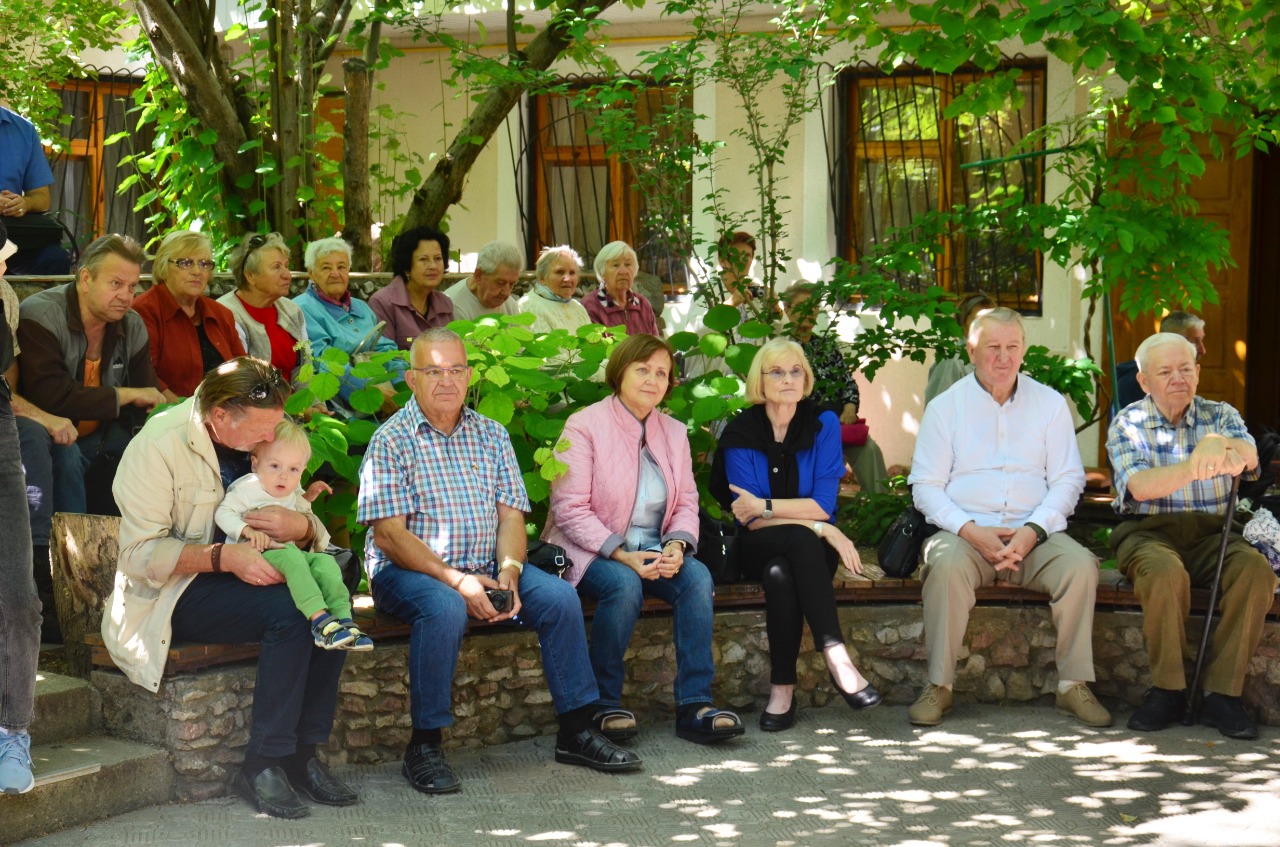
{"points": [[626, 733], [702, 729], [591, 749]]}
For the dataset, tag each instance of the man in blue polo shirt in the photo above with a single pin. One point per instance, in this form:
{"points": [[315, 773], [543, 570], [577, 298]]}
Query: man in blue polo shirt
{"points": [[25, 178]]}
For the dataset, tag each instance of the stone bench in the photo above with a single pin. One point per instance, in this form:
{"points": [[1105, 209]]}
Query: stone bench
{"points": [[202, 710]]}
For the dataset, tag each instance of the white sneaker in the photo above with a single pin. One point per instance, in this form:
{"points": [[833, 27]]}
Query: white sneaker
{"points": [[15, 764]]}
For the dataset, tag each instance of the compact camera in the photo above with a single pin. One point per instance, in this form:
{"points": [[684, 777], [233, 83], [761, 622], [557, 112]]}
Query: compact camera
{"points": [[500, 599]]}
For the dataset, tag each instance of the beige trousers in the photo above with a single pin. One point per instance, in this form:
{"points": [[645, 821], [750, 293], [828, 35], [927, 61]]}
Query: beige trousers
{"points": [[953, 571]]}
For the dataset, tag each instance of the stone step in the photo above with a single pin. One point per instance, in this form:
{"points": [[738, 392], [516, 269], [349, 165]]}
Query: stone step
{"points": [[86, 779], [66, 707]]}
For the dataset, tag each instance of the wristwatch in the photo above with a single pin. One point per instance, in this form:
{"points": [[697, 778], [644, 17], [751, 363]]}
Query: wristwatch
{"points": [[768, 510], [1041, 535]]}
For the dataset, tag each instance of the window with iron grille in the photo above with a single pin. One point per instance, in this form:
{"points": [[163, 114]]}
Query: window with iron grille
{"points": [[86, 171], [901, 158], [584, 191]]}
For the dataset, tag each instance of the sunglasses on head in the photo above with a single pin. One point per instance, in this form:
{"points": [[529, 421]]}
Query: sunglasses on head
{"points": [[262, 390]]}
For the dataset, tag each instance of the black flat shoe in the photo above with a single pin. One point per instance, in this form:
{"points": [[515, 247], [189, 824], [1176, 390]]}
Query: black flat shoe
{"points": [[322, 786], [1227, 714], [270, 793], [771, 722], [866, 698], [1159, 708], [591, 749]]}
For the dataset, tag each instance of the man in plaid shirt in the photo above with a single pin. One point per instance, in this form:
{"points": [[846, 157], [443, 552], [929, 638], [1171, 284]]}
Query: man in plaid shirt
{"points": [[442, 494], [1174, 455]]}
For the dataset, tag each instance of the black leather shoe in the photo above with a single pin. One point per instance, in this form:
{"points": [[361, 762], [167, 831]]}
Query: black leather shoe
{"points": [[322, 786], [866, 698], [427, 771], [591, 749], [771, 722], [1228, 715], [1159, 708], [270, 793]]}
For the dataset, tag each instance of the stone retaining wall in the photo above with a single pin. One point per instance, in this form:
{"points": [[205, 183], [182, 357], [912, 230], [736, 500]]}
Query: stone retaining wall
{"points": [[499, 693]]}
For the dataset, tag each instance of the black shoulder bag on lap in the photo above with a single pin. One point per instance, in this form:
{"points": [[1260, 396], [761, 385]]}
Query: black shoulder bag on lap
{"points": [[899, 550]]}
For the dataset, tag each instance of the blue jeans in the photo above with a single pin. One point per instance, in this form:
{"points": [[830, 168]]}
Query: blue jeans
{"points": [[55, 477], [19, 606], [297, 685], [438, 616], [619, 593]]}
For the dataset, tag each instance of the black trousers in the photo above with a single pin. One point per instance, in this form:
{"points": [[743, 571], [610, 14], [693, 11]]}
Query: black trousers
{"points": [[795, 568], [297, 685]]}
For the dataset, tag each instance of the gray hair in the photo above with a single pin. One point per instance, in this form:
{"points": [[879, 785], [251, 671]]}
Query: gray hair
{"points": [[1180, 321], [1000, 315], [608, 253], [549, 254], [434, 335], [1161, 339], [499, 254], [320, 248], [99, 249], [248, 254]]}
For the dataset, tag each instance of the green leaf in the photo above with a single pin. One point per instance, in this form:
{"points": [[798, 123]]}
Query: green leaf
{"points": [[367, 400], [684, 341], [713, 344], [755, 329], [360, 431], [536, 487], [709, 409], [325, 386], [299, 401], [497, 405], [723, 317], [208, 138], [739, 356], [497, 375]]}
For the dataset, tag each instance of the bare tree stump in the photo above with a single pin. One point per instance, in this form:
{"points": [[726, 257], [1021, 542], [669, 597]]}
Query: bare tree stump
{"points": [[84, 550]]}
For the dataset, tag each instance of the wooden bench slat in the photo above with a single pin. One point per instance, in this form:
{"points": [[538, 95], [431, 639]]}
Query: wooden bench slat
{"points": [[1112, 593]]}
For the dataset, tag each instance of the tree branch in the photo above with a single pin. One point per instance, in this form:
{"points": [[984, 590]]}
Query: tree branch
{"points": [[443, 187]]}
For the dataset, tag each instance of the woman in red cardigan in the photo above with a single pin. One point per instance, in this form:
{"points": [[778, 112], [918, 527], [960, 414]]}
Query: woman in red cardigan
{"points": [[190, 333]]}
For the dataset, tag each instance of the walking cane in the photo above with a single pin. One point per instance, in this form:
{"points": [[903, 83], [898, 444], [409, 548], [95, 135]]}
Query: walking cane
{"points": [[1195, 696]]}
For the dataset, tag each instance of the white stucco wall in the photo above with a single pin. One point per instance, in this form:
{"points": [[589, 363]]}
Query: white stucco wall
{"points": [[892, 404]]}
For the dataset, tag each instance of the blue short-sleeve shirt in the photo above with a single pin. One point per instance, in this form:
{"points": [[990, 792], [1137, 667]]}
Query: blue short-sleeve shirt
{"points": [[23, 166]]}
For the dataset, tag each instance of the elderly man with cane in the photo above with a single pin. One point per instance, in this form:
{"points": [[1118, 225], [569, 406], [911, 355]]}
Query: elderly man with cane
{"points": [[1174, 456]]}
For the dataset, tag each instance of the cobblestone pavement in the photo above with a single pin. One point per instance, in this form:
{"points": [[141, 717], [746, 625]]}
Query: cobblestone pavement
{"points": [[990, 775]]}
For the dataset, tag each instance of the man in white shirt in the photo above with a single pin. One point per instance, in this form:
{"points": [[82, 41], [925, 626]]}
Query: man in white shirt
{"points": [[998, 471], [488, 290]]}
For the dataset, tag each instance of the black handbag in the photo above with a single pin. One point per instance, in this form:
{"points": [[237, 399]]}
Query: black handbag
{"points": [[899, 550], [548, 557]]}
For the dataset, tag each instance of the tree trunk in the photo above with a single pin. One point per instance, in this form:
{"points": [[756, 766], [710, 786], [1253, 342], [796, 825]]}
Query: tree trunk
{"points": [[205, 84], [282, 203], [357, 211], [443, 187], [84, 550]]}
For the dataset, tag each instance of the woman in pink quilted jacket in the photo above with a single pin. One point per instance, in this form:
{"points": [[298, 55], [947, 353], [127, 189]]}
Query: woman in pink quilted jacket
{"points": [[626, 513]]}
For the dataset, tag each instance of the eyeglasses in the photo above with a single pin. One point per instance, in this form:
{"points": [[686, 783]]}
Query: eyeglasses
{"points": [[778, 374], [437, 374], [188, 264], [263, 389], [256, 241]]}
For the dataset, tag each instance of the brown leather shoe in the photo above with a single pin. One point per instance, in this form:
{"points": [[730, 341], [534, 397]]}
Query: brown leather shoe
{"points": [[1078, 702], [934, 703]]}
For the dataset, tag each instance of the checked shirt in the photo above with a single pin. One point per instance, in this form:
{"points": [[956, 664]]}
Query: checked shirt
{"points": [[1141, 437], [447, 486]]}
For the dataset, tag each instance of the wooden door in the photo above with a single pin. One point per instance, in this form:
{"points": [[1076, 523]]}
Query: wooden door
{"points": [[1225, 195]]}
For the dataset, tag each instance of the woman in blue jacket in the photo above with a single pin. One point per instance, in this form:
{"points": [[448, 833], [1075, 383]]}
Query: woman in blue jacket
{"points": [[778, 468], [337, 319]]}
